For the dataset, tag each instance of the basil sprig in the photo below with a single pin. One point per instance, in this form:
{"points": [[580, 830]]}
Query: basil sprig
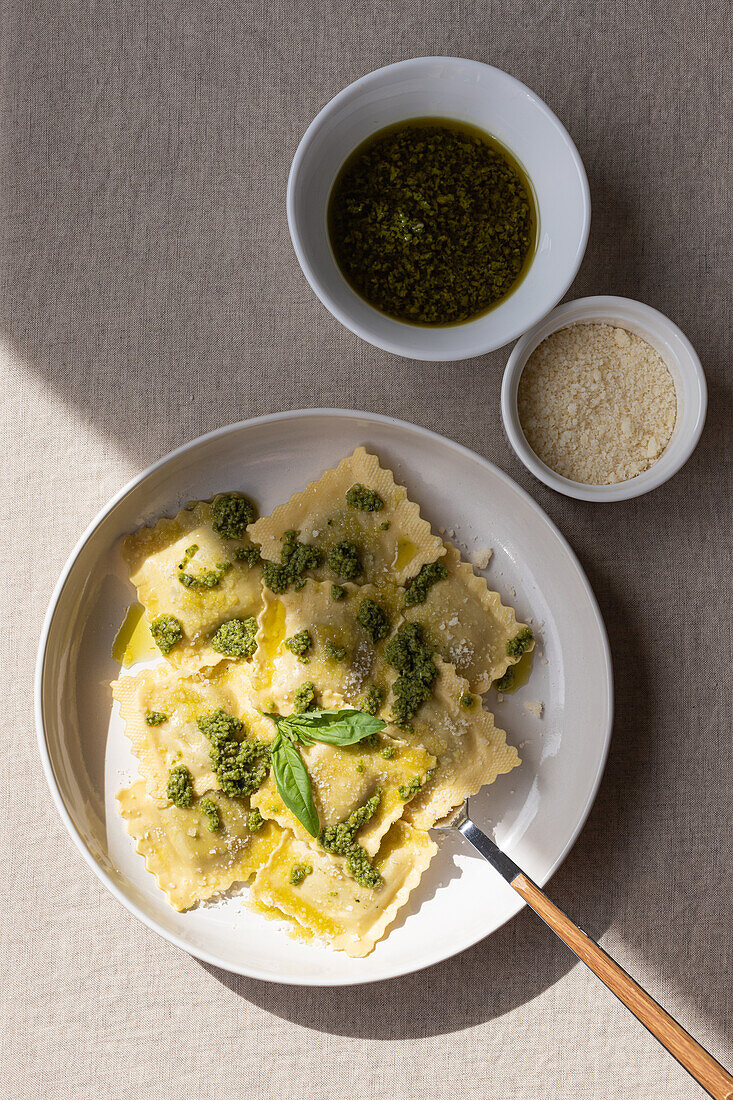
{"points": [[332, 727]]}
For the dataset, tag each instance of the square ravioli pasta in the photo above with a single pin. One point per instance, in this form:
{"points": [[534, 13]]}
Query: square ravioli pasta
{"points": [[189, 861], [359, 520], [467, 623], [309, 636], [344, 779], [326, 902], [195, 576], [470, 750], [161, 709]]}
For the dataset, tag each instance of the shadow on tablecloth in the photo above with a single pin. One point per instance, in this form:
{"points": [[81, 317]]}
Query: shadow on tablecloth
{"points": [[616, 875]]}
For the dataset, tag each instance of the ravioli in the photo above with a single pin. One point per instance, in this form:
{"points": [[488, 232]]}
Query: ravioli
{"points": [[343, 779], [394, 541], [341, 660], [467, 623], [291, 613], [189, 861], [157, 556], [471, 751], [328, 903], [181, 698]]}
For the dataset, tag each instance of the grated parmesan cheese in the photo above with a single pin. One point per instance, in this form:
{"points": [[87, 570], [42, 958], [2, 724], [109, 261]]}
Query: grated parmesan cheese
{"points": [[597, 404], [536, 707], [482, 556]]}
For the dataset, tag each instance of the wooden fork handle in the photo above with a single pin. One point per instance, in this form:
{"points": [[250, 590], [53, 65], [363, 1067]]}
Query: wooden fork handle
{"points": [[713, 1077]]}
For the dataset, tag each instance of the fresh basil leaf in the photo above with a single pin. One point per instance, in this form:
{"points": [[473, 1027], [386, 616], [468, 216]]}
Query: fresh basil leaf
{"points": [[293, 783], [334, 727], [286, 729]]}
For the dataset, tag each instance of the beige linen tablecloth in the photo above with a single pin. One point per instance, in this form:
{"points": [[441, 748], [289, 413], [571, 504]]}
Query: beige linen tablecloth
{"points": [[150, 293]]}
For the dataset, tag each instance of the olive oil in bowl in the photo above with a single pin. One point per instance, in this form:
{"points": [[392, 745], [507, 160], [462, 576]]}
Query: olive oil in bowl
{"points": [[432, 221]]}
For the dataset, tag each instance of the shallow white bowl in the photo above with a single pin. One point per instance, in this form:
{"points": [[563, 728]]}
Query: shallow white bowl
{"points": [[676, 351], [468, 91], [536, 811]]}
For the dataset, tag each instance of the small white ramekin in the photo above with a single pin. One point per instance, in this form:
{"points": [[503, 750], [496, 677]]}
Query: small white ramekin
{"points": [[468, 91], [680, 358]]}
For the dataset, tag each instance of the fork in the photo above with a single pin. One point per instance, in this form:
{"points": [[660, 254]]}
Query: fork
{"points": [[709, 1073]]}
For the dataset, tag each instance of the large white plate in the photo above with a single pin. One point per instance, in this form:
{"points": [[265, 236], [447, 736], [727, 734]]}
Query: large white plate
{"points": [[537, 811]]}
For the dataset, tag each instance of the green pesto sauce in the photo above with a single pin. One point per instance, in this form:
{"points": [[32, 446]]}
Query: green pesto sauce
{"points": [[517, 675], [155, 718], [345, 561], [389, 752], [429, 575], [409, 790], [180, 786], [209, 578], [212, 812], [299, 644], [255, 821], [298, 872], [374, 619], [232, 515], [241, 766], [366, 500], [408, 654], [335, 652], [505, 682], [520, 643], [338, 592], [371, 700], [305, 697], [296, 559], [236, 638], [189, 553], [341, 840], [249, 554], [432, 221], [167, 631]]}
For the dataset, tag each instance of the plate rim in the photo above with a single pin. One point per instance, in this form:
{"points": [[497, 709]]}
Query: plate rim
{"points": [[201, 953]]}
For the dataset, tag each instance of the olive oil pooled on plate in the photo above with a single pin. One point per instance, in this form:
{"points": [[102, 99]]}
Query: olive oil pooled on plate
{"points": [[432, 221]]}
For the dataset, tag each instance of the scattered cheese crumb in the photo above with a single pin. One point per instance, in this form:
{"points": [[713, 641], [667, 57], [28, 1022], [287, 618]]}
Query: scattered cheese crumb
{"points": [[534, 706], [482, 556], [597, 404]]}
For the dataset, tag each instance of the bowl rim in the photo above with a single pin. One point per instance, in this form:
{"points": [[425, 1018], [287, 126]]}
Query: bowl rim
{"points": [[39, 677], [364, 332], [608, 307]]}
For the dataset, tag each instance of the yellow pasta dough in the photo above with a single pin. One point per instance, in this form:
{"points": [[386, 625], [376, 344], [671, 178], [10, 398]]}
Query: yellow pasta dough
{"points": [[328, 903], [394, 541], [189, 861], [467, 623], [181, 698], [341, 658], [157, 557], [471, 751], [343, 779]]}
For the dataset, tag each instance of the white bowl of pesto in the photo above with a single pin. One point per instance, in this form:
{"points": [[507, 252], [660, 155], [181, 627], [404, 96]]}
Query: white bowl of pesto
{"points": [[465, 94], [536, 811]]}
